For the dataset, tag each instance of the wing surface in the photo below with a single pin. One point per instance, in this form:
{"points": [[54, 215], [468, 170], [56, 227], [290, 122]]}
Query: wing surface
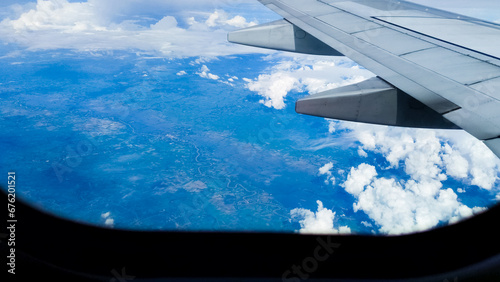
{"points": [[448, 62]]}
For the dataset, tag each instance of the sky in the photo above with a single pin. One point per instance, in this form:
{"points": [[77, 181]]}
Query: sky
{"points": [[155, 27], [198, 29]]}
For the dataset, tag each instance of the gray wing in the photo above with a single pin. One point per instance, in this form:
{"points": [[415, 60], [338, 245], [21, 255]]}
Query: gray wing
{"points": [[435, 69]]}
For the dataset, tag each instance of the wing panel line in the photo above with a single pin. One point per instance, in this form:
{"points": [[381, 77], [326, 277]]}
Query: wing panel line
{"points": [[484, 80], [408, 53], [438, 39]]}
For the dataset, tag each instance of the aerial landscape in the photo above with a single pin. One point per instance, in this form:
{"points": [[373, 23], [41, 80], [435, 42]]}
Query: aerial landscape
{"points": [[143, 116]]}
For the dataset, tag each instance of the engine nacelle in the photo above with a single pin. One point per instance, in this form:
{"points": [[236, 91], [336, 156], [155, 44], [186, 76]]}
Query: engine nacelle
{"points": [[372, 101], [281, 35]]}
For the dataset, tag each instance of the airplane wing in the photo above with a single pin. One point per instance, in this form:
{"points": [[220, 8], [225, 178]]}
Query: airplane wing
{"points": [[435, 69]]}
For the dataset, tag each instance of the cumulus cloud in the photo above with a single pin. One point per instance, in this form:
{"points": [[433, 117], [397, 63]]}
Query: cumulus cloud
{"points": [[61, 16], [304, 73], [403, 207], [94, 25], [483, 166], [221, 18], [274, 88], [319, 222], [359, 178], [326, 170], [430, 155], [456, 165], [204, 72], [108, 221], [428, 158]]}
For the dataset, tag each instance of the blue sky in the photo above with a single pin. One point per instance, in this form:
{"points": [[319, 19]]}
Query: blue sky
{"points": [[197, 29]]}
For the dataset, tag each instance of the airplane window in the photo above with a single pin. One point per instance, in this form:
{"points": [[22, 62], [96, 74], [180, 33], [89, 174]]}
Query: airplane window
{"points": [[149, 119]]}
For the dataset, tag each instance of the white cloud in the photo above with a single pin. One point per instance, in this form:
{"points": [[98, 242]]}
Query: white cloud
{"points": [[483, 164], [332, 126], [428, 157], [107, 219], [403, 207], [213, 76], [367, 224], [202, 60], [301, 73], [204, 72], [274, 88], [359, 178], [98, 25], [326, 170], [181, 73], [430, 154], [239, 21], [456, 165], [362, 153], [221, 18], [61, 16], [321, 222]]}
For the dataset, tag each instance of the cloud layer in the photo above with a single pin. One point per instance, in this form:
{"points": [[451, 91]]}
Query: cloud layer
{"points": [[127, 25]]}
